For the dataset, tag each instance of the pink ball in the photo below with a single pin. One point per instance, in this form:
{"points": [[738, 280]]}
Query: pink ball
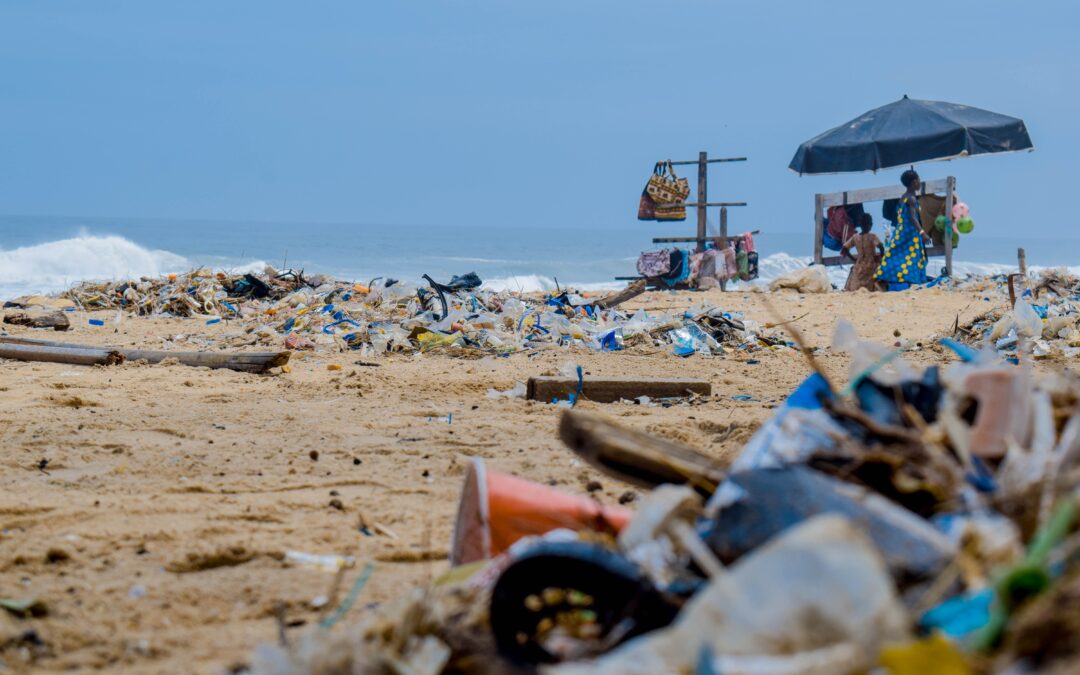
{"points": [[960, 210]]}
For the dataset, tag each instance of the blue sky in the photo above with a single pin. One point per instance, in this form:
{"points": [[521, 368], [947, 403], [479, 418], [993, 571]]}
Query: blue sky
{"points": [[523, 114]]}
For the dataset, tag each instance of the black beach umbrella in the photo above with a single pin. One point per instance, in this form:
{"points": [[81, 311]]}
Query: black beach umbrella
{"points": [[910, 131]]}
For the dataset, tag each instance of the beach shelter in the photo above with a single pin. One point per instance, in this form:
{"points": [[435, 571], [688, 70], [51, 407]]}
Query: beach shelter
{"points": [[907, 132], [903, 133]]}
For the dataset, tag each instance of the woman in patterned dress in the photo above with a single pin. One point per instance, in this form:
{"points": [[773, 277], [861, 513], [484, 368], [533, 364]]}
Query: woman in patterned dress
{"points": [[904, 261]]}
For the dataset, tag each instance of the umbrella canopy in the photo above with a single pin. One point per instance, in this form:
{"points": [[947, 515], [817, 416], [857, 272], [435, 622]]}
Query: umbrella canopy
{"points": [[909, 131]]}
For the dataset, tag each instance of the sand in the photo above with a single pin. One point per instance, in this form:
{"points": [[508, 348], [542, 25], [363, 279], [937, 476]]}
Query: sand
{"points": [[150, 508]]}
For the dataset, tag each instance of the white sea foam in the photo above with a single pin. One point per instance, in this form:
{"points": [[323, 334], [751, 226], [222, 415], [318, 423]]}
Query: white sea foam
{"points": [[55, 265], [535, 283]]}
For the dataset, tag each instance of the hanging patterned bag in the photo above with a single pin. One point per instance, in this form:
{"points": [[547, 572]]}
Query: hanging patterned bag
{"points": [[646, 206], [667, 188], [669, 193]]}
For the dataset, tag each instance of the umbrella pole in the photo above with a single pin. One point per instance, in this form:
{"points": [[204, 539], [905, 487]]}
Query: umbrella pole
{"points": [[950, 188]]}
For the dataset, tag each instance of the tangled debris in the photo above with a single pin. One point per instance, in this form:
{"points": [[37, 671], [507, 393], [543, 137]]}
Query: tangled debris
{"points": [[287, 308], [912, 519]]}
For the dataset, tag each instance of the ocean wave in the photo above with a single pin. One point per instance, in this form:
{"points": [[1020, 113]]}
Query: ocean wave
{"points": [[55, 265], [535, 283]]}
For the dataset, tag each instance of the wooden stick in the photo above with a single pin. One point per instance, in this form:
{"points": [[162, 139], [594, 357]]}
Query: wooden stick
{"points": [[81, 356], [632, 291], [1021, 257], [250, 362], [703, 172], [636, 457], [611, 389]]}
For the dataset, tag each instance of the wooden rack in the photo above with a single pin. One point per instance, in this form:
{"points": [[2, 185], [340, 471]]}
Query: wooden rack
{"points": [[823, 201], [702, 204]]}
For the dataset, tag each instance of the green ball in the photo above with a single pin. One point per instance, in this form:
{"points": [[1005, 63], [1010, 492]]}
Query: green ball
{"points": [[965, 225], [939, 223], [955, 239]]}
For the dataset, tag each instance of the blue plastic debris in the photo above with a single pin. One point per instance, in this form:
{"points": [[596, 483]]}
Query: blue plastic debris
{"points": [[966, 353], [961, 616], [609, 342], [97, 322]]}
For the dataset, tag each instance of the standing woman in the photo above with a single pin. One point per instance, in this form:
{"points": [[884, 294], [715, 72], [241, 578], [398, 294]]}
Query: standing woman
{"points": [[904, 262]]}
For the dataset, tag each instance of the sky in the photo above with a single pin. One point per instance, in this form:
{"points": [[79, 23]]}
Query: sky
{"points": [[503, 113]]}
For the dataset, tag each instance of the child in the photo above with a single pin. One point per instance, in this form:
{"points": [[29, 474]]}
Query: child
{"points": [[868, 250]]}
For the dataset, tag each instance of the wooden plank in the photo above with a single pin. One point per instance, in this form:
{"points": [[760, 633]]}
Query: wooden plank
{"points": [[718, 204], [879, 194], [819, 227], [932, 251], [610, 389], [81, 356], [1021, 259], [702, 187], [636, 457], [250, 362], [54, 320], [683, 240], [711, 161], [950, 189], [722, 242]]}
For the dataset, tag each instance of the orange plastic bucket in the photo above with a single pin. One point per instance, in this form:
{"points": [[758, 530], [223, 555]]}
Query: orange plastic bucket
{"points": [[497, 509]]}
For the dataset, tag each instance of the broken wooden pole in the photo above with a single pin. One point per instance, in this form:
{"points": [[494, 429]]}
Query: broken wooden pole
{"points": [[611, 389], [248, 362], [629, 293], [78, 356], [54, 320], [1021, 257], [637, 457]]}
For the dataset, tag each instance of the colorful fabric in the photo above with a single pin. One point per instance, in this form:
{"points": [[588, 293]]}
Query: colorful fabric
{"points": [[654, 263], [702, 264], [747, 240], [680, 270], [730, 268], [839, 225], [904, 261]]}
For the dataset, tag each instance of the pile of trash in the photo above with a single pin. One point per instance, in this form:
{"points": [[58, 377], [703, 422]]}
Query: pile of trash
{"points": [[904, 522], [386, 315], [1044, 318]]}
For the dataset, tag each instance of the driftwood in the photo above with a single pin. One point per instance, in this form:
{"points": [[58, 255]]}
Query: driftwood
{"points": [[248, 362], [54, 320], [632, 291], [636, 457], [610, 389], [79, 356]]}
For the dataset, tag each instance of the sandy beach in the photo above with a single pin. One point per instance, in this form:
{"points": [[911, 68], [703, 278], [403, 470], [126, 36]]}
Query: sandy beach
{"points": [[150, 508]]}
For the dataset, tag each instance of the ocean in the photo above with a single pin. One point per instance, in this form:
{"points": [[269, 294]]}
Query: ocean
{"points": [[48, 254]]}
